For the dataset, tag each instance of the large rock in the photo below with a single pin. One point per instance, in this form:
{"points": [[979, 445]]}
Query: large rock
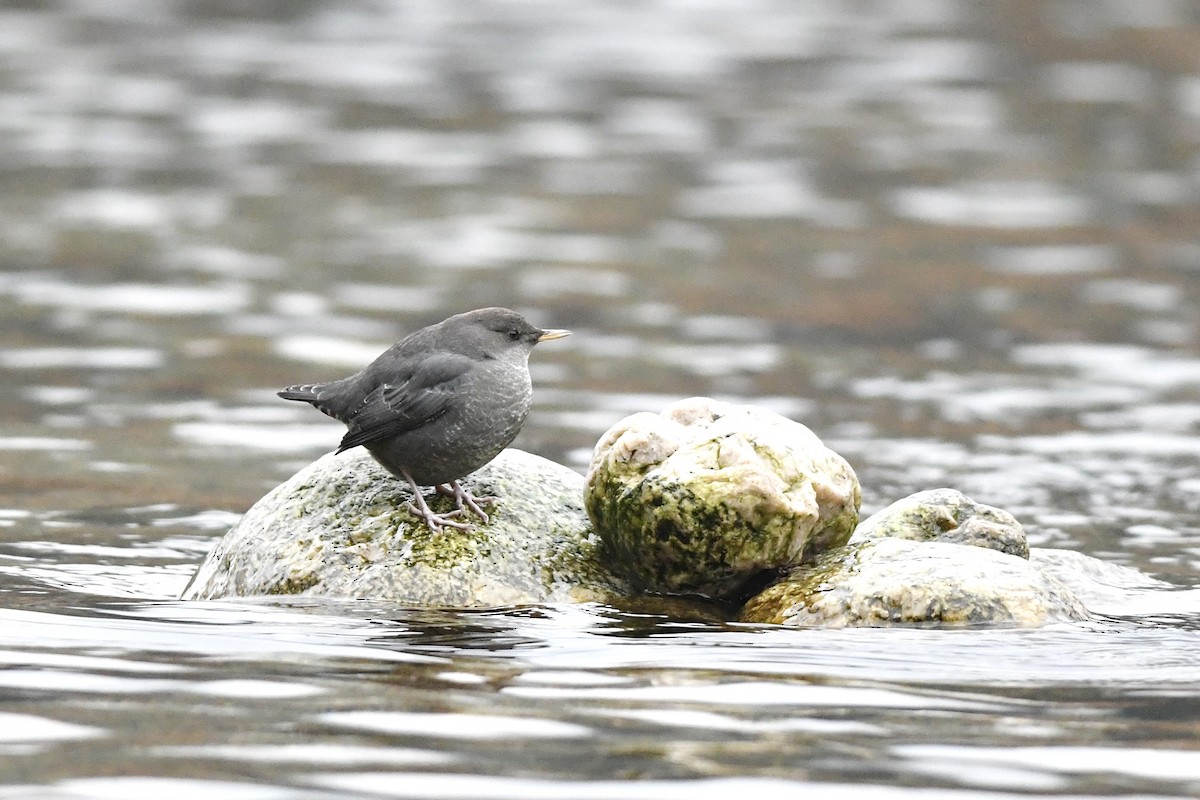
{"points": [[339, 528], [935, 557], [707, 495]]}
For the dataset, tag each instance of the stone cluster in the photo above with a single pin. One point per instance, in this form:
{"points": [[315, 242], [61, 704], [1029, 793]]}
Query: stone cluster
{"points": [[734, 504]]}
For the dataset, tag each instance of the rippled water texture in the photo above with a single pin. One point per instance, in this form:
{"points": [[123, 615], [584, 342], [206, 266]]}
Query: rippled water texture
{"points": [[958, 240]]}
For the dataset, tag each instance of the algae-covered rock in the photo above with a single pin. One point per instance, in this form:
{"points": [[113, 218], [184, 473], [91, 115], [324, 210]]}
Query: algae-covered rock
{"points": [[339, 528], [934, 557], [946, 515], [706, 495], [888, 581]]}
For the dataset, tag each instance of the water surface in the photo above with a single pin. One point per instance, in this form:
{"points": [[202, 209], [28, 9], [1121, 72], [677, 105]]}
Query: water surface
{"points": [[958, 242]]}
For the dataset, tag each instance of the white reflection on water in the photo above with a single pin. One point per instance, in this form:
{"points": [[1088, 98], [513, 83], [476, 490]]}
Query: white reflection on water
{"points": [[327, 350], [755, 693], [1028, 205], [1052, 259], [207, 520], [452, 786], [712, 721], [136, 298], [115, 208], [456, 725], [221, 630], [276, 438], [59, 395], [255, 689], [82, 663], [1144, 295], [42, 443], [153, 788], [1046, 768], [35, 358], [1119, 364], [1146, 444], [991, 396], [1165, 417], [27, 729], [713, 360], [327, 754], [225, 261], [754, 190], [57, 683]]}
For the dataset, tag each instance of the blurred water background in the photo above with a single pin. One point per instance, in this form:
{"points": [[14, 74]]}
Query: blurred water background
{"points": [[958, 240]]}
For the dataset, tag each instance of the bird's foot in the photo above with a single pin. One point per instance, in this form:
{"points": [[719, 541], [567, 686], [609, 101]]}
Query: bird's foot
{"points": [[465, 500], [436, 522]]}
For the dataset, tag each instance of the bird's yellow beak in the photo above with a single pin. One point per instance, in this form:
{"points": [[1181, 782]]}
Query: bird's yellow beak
{"points": [[552, 334]]}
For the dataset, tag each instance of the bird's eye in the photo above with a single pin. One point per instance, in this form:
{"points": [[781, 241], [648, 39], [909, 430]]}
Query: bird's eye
{"points": [[514, 334]]}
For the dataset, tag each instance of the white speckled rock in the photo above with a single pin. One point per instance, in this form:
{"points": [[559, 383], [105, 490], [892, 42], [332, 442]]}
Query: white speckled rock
{"points": [[946, 515], [707, 495], [934, 558], [889, 581], [339, 528]]}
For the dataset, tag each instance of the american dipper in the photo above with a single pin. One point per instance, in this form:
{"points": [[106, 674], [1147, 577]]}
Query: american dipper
{"points": [[438, 404]]}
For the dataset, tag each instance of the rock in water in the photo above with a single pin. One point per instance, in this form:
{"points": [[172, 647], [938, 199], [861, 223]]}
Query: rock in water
{"points": [[933, 558], [707, 495], [340, 528]]}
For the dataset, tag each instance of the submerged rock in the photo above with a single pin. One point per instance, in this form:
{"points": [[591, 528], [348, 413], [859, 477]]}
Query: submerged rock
{"points": [[339, 528], [708, 495], [1103, 586], [935, 557]]}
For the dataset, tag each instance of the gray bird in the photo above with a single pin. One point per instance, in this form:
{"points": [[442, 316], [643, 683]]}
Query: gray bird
{"points": [[438, 404]]}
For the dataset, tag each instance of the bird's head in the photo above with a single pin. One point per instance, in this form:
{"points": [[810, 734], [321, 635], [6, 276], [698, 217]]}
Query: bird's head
{"points": [[498, 331]]}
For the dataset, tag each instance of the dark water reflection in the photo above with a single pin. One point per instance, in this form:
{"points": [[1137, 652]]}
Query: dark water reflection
{"points": [[957, 240]]}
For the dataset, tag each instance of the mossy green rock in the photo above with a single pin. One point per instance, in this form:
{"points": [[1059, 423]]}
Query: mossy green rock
{"points": [[934, 558], [340, 528], [707, 495]]}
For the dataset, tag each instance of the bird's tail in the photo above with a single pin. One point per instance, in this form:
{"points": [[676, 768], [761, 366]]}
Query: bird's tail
{"points": [[308, 392], [317, 394]]}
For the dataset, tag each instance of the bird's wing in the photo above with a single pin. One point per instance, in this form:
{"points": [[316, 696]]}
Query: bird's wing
{"points": [[407, 402]]}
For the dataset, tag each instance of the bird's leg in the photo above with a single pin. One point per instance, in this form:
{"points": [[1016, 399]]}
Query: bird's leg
{"points": [[435, 521], [466, 500]]}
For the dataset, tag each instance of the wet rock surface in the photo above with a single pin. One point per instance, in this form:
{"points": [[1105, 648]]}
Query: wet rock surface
{"points": [[946, 515], [340, 528], [889, 581], [739, 492], [935, 557], [707, 495]]}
